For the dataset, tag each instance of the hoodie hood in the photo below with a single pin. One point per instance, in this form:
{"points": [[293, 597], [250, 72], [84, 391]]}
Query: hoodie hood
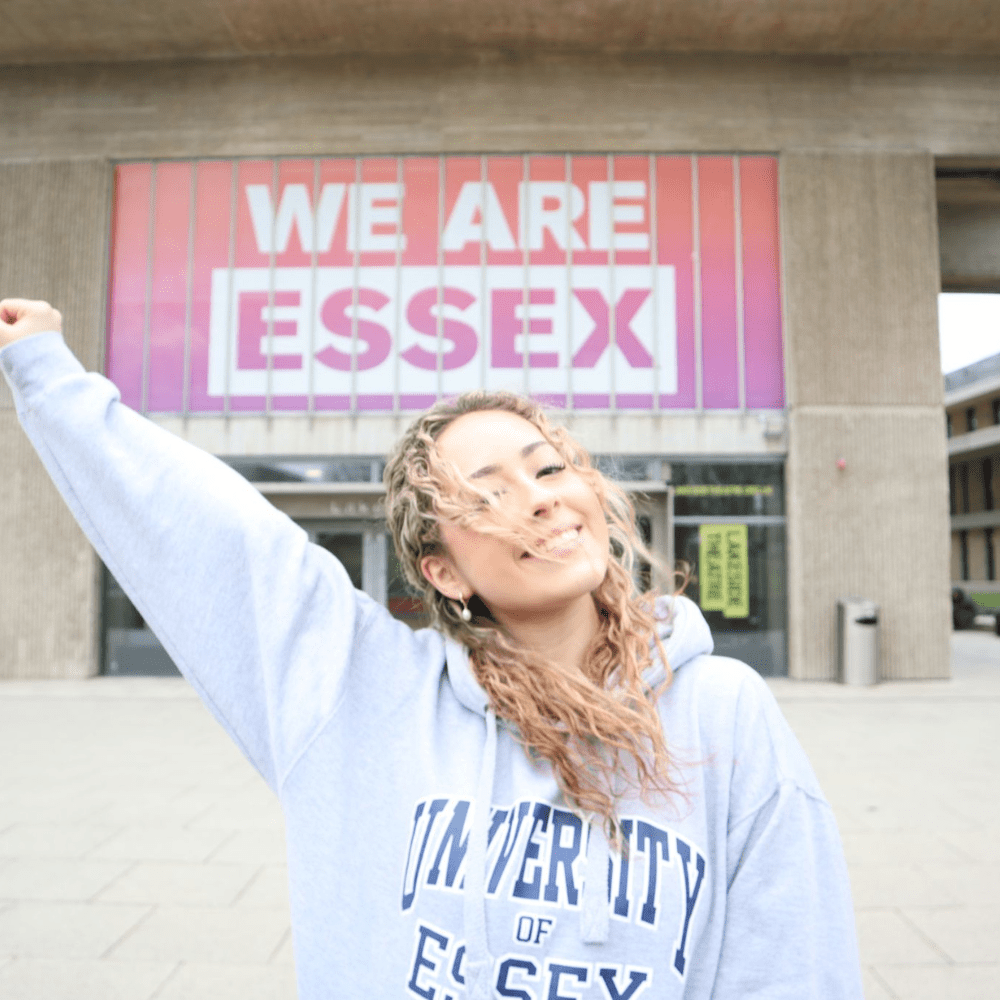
{"points": [[685, 635]]}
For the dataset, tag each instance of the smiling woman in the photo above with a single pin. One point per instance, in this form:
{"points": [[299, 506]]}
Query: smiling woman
{"points": [[554, 791]]}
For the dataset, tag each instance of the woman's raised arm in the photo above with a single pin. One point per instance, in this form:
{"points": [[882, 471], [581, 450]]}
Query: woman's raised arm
{"points": [[261, 622]]}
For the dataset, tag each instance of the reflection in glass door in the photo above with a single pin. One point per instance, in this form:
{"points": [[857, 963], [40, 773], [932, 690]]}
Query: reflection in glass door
{"points": [[367, 553]]}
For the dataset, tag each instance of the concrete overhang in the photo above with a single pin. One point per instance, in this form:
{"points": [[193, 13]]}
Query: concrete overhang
{"points": [[981, 389], [51, 31], [984, 441]]}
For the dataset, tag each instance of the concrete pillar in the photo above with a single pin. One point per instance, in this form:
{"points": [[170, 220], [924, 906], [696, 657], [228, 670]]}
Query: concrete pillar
{"points": [[864, 384], [52, 246]]}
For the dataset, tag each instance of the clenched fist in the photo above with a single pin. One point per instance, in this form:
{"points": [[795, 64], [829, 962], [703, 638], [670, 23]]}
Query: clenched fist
{"points": [[23, 317]]}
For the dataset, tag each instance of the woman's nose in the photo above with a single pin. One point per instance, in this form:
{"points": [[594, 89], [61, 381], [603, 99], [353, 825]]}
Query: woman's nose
{"points": [[540, 497]]}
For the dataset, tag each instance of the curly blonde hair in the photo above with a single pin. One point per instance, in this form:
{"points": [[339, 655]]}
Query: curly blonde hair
{"points": [[599, 729]]}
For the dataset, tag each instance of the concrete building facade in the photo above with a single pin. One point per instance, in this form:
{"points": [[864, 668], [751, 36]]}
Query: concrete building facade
{"points": [[860, 440], [972, 409]]}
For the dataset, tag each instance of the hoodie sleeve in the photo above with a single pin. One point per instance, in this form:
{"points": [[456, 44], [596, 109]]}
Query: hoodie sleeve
{"points": [[230, 585], [789, 929]]}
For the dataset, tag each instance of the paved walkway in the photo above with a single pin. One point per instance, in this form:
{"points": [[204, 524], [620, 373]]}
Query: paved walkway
{"points": [[142, 859]]}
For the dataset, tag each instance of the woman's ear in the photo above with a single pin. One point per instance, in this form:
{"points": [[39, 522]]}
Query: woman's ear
{"points": [[442, 575]]}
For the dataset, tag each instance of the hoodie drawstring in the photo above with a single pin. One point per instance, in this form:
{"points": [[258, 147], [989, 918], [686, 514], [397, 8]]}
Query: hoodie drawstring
{"points": [[478, 960], [595, 918]]}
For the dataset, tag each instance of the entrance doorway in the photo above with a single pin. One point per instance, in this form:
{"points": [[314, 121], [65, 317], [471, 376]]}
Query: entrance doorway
{"points": [[723, 522]]}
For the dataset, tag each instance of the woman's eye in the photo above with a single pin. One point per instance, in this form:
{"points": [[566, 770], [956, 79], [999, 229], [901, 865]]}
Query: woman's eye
{"points": [[549, 470]]}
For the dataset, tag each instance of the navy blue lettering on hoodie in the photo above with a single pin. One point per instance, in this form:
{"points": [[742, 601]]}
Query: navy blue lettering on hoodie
{"points": [[428, 856]]}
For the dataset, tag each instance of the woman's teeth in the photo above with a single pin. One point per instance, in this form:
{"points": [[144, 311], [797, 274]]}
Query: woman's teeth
{"points": [[563, 539]]}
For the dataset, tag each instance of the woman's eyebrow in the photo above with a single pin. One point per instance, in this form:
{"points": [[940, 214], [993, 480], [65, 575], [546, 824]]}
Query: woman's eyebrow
{"points": [[488, 470]]}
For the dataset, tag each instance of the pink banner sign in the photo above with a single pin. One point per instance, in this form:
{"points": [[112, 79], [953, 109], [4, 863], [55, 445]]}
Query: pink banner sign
{"points": [[592, 282]]}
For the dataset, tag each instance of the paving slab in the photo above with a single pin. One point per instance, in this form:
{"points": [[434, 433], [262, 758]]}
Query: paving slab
{"points": [[62, 880], [943, 982], [268, 889], [64, 979], [967, 934], [200, 981], [54, 930], [222, 935], [140, 842], [53, 840], [183, 884]]}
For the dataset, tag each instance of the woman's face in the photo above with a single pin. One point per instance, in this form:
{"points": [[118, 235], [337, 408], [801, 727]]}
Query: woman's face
{"points": [[507, 455]]}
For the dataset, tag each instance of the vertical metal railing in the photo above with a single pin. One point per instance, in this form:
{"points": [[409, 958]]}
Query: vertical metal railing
{"points": [[148, 304], [612, 311], [483, 259], [738, 257], [654, 279], [352, 404], [189, 292], [696, 281], [568, 170], [439, 325], [231, 289], [398, 306], [313, 293], [524, 224], [271, 278]]}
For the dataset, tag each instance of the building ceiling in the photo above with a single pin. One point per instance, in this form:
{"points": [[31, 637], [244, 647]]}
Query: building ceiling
{"points": [[44, 31]]}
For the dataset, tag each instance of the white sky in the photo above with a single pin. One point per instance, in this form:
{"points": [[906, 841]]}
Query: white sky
{"points": [[969, 328]]}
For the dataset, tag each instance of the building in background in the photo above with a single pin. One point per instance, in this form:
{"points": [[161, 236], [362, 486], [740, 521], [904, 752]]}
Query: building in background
{"points": [[714, 237], [972, 412]]}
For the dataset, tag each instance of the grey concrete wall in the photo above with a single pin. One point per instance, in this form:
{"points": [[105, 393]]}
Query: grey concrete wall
{"points": [[52, 245], [712, 103], [860, 258]]}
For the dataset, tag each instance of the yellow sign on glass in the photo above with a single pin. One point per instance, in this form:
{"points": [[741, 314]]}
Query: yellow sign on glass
{"points": [[724, 569]]}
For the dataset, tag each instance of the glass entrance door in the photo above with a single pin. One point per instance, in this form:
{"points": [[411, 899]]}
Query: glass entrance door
{"points": [[729, 531]]}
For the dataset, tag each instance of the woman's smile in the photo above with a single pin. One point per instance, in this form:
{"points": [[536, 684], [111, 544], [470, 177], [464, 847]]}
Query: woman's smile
{"points": [[566, 540]]}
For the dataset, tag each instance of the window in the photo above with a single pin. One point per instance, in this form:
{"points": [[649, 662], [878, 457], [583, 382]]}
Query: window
{"points": [[970, 419], [963, 539], [988, 483], [991, 566], [952, 495], [996, 410], [963, 482], [947, 423]]}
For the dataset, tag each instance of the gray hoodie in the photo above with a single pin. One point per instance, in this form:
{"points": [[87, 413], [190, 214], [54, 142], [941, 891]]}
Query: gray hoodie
{"points": [[428, 855]]}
